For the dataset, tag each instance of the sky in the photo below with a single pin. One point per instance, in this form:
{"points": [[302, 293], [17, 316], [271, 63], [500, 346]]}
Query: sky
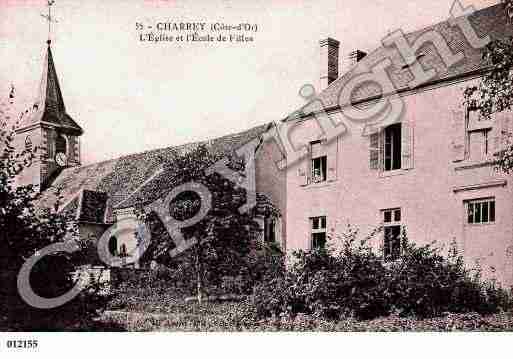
{"points": [[131, 96]]}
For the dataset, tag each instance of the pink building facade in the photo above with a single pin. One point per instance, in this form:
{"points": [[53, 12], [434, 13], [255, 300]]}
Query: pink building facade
{"points": [[429, 196], [429, 171]]}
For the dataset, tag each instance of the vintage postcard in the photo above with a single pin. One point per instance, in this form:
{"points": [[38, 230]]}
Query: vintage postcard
{"points": [[254, 166]]}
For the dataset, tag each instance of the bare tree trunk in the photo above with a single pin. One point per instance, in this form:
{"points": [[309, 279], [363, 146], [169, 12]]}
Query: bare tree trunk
{"points": [[199, 276], [199, 288]]}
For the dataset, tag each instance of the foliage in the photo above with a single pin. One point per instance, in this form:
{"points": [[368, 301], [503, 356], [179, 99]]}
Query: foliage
{"points": [[225, 237], [231, 317], [354, 282], [329, 283], [166, 287], [494, 93], [26, 228], [426, 283]]}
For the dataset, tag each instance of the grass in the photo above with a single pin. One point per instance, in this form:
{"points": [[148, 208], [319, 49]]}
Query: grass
{"points": [[150, 310], [227, 322], [157, 310]]}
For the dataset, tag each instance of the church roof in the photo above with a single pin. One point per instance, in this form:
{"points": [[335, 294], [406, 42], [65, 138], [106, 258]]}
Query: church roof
{"points": [[49, 105], [120, 180], [491, 21], [126, 179]]}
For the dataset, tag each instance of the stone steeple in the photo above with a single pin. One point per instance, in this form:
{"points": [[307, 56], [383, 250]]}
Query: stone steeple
{"points": [[49, 104], [48, 126]]}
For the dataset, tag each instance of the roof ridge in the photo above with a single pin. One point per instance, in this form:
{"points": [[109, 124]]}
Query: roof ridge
{"points": [[410, 33], [487, 20], [173, 147]]}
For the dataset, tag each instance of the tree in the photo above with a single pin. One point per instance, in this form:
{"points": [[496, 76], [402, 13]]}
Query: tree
{"points": [[494, 93], [25, 228], [225, 236]]}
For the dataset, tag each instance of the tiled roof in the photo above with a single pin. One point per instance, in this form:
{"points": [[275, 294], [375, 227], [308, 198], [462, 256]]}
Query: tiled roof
{"points": [[93, 206], [49, 105], [122, 178], [490, 21]]}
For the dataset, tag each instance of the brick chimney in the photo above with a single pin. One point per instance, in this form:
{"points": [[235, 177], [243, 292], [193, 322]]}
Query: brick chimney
{"points": [[355, 56], [329, 61]]}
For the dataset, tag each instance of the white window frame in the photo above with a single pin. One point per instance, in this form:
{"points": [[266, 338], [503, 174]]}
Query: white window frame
{"points": [[319, 229], [322, 175], [475, 124], [485, 133], [321, 157], [394, 222], [477, 207]]}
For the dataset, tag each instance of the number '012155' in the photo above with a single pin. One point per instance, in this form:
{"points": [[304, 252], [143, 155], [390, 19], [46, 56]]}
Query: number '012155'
{"points": [[22, 344]]}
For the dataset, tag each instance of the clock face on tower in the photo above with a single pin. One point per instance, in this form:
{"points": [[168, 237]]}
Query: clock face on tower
{"points": [[61, 159]]}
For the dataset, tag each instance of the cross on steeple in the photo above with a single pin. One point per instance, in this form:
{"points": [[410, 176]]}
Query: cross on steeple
{"points": [[50, 19]]}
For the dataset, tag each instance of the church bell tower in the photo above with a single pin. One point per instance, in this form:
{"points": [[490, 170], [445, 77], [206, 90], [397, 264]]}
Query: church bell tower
{"points": [[47, 126]]}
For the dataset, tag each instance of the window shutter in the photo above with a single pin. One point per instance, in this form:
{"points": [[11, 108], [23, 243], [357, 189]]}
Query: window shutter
{"points": [[332, 159], [374, 151], [496, 134], [500, 132], [381, 150], [506, 131], [406, 145], [303, 170], [458, 127]]}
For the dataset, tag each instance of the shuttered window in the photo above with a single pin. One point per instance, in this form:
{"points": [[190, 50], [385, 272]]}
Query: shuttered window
{"points": [[392, 148]]}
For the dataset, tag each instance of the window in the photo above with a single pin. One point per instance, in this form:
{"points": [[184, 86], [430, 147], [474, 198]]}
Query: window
{"points": [[269, 230], [392, 150], [478, 136], [113, 246], [318, 226], [392, 234], [319, 162], [481, 211], [479, 145], [319, 169]]}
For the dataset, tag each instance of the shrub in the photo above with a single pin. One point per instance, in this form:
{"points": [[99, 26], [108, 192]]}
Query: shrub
{"points": [[328, 283], [426, 283], [353, 281]]}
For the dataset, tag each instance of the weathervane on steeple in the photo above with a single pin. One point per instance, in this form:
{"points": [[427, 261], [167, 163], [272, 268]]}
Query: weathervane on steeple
{"points": [[50, 19]]}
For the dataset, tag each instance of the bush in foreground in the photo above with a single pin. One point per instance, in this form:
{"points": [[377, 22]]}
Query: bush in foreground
{"points": [[354, 282]]}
